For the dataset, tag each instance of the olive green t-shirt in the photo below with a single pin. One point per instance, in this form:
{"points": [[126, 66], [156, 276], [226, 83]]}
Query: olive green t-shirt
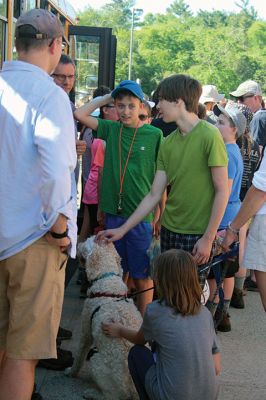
{"points": [[187, 162], [140, 170]]}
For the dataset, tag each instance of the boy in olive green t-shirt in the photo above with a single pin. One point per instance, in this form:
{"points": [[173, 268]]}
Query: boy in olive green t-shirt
{"points": [[193, 161]]}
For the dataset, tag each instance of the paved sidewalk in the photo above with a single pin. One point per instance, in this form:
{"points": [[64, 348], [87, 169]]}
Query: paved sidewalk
{"points": [[243, 354]]}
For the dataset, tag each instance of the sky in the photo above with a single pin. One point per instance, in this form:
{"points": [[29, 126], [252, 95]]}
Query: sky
{"points": [[159, 6]]}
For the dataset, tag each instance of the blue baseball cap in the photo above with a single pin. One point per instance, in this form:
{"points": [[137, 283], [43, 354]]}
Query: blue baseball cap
{"points": [[131, 86]]}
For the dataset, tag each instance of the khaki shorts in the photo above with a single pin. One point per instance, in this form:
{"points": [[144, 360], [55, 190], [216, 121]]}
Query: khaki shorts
{"points": [[31, 298], [255, 251]]}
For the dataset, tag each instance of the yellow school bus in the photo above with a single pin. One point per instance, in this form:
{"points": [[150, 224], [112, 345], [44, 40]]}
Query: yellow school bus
{"points": [[10, 10], [93, 49]]}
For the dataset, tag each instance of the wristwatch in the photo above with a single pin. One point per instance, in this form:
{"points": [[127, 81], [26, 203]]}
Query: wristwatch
{"points": [[59, 235]]}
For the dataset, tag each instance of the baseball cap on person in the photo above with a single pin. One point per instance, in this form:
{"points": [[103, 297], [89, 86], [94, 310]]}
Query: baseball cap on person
{"points": [[131, 86], [46, 25], [247, 88], [232, 111], [210, 94]]}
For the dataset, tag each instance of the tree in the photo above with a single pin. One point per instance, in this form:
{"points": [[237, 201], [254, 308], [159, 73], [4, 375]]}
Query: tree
{"points": [[179, 8], [215, 47]]}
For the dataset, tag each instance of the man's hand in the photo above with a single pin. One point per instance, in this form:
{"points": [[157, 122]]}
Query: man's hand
{"points": [[229, 238], [202, 250], [62, 243], [80, 147], [110, 235], [112, 329], [60, 226]]}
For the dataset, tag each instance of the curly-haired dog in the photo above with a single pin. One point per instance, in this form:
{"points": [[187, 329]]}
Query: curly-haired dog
{"points": [[108, 371]]}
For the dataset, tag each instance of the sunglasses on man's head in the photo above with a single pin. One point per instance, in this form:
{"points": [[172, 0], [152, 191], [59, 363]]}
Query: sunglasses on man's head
{"points": [[143, 117]]}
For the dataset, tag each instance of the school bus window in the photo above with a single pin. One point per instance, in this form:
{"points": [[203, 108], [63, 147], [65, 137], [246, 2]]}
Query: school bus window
{"points": [[3, 8], [29, 5], [2, 41], [16, 8]]}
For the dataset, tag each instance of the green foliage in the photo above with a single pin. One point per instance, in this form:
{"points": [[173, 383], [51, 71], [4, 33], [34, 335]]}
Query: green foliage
{"points": [[179, 8], [215, 47]]}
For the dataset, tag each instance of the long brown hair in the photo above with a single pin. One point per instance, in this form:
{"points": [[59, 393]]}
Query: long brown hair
{"points": [[177, 282]]}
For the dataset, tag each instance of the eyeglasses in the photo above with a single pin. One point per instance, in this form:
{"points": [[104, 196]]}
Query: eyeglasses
{"points": [[63, 78], [63, 44], [143, 117]]}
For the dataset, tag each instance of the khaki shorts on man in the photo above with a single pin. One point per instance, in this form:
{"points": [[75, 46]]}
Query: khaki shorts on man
{"points": [[31, 297]]}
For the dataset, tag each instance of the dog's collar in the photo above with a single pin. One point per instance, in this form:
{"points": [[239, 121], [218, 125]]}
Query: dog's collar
{"points": [[103, 294], [103, 276]]}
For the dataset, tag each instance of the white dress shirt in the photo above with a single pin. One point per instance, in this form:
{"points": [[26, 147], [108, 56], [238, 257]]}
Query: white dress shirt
{"points": [[37, 157]]}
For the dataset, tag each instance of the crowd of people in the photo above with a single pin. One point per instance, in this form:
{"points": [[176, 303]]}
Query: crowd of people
{"points": [[185, 166]]}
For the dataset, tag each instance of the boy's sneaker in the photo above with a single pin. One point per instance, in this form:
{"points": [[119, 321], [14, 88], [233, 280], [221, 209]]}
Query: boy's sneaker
{"points": [[36, 395], [63, 334], [64, 360], [224, 325], [237, 300], [250, 285]]}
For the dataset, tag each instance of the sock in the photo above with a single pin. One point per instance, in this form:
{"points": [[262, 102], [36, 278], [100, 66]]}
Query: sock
{"points": [[239, 283], [212, 306], [226, 305]]}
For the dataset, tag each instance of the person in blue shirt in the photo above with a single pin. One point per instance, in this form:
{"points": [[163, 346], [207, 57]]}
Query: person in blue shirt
{"points": [[232, 124]]}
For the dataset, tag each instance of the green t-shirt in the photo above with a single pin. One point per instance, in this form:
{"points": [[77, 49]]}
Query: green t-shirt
{"points": [[140, 170], [187, 162]]}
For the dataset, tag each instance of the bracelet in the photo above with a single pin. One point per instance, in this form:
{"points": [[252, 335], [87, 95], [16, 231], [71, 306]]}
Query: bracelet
{"points": [[59, 235], [233, 230]]}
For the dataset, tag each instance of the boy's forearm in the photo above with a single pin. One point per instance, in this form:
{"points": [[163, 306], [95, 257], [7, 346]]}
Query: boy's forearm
{"points": [[88, 108], [144, 208], [217, 213]]}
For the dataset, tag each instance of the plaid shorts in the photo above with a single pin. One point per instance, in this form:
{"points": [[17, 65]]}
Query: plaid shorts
{"points": [[173, 240]]}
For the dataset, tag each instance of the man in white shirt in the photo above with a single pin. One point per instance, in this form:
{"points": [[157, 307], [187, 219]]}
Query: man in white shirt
{"points": [[37, 209], [254, 205]]}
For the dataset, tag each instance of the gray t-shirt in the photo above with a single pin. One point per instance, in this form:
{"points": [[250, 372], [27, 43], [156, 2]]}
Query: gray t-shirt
{"points": [[184, 369]]}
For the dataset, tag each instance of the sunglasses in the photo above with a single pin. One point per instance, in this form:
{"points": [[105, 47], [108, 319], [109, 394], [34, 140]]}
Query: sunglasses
{"points": [[242, 98], [143, 117]]}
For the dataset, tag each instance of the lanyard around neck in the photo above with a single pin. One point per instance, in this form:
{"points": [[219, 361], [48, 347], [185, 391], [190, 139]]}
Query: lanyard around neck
{"points": [[122, 173]]}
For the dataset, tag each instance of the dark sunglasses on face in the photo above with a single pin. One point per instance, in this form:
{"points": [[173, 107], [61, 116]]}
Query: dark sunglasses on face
{"points": [[143, 117], [242, 98]]}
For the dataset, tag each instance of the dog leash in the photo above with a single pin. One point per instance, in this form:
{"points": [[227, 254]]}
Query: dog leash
{"points": [[129, 296]]}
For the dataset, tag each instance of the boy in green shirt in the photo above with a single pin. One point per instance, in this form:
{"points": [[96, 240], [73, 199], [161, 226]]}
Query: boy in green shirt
{"points": [[193, 161], [129, 169]]}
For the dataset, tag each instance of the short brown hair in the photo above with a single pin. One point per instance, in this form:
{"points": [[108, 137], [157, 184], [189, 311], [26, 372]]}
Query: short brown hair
{"points": [[177, 282], [181, 87], [29, 43]]}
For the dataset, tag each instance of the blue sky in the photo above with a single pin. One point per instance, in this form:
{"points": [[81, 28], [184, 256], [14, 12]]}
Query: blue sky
{"points": [[156, 6]]}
